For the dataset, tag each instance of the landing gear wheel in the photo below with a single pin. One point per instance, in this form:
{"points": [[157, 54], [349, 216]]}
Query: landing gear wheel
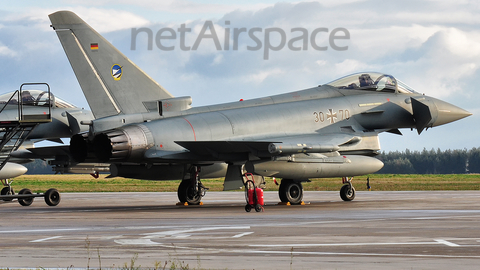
{"points": [[347, 193], [52, 197], [7, 191], [282, 193], [188, 194], [25, 201], [291, 191]]}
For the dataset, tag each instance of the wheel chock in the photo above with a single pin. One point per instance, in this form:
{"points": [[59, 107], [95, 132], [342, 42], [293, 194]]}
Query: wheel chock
{"points": [[187, 204], [284, 203], [288, 203]]}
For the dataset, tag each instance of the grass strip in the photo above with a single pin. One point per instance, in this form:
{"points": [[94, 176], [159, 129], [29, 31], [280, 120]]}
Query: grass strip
{"points": [[378, 182]]}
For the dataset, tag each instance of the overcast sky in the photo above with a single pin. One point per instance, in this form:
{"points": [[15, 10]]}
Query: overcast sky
{"points": [[433, 46]]}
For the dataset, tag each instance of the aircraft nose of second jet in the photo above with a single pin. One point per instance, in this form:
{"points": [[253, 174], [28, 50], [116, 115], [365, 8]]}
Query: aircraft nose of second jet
{"points": [[448, 113]]}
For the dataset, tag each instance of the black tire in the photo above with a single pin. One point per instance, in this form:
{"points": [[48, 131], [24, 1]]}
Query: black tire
{"points": [[258, 208], [25, 201], [248, 208], [294, 193], [282, 190], [187, 194], [346, 193], [291, 191], [52, 197], [7, 191]]}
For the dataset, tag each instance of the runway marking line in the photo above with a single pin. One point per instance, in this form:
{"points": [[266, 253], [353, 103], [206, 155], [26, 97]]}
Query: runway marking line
{"points": [[445, 242], [437, 242], [359, 254], [242, 234], [278, 252], [42, 230], [349, 244], [45, 239], [193, 230], [146, 242]]}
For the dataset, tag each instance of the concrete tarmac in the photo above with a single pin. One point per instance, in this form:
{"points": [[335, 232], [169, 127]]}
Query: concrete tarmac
{"points": [[379, 230]]}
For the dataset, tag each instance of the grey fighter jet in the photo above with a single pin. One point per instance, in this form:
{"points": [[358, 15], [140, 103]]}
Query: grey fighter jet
{"points": [[30, 115], [144, 132]]}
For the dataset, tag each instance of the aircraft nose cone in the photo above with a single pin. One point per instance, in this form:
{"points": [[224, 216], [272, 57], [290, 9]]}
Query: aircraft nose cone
{"points": [[11, 170], [448, 113]]}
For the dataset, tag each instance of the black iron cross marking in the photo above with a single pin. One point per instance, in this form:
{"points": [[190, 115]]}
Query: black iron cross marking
{"points": [[331, 115]]}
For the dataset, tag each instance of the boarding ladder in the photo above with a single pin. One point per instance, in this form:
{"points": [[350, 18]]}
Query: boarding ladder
{"points": [[15, 128]]}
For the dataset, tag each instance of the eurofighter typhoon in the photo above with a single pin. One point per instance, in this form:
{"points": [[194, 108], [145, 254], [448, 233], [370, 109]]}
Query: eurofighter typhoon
{"points": [[144, 132]]}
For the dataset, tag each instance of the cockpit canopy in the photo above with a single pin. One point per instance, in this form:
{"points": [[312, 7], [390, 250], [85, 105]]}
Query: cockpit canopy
{"points": [[35, 98], [372, 81]]}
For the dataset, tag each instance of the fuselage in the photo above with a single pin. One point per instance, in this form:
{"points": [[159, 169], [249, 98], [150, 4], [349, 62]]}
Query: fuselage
{"points": [[315, 111], [59, 126], [325, 131]]}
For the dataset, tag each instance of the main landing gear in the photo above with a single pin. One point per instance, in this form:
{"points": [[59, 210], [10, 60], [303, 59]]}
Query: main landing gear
{"points": [[191, 190], [291, 191], [25, 196]]}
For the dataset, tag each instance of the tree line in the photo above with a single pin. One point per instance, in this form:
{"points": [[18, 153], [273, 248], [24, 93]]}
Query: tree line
{"points": [[38, 166], [431, 161], [406, 162]]}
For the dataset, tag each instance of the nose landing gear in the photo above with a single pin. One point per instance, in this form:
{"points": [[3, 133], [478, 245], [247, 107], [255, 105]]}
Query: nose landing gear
{"points": [[347, 192], [191, 190]]}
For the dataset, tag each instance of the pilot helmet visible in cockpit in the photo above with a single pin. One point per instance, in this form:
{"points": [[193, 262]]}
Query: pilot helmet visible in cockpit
{"points": [[27, 98], [365, 80]]}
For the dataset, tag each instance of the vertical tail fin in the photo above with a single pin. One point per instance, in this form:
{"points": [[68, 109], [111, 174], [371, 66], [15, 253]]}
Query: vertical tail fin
{"points": [[112, 84]]}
